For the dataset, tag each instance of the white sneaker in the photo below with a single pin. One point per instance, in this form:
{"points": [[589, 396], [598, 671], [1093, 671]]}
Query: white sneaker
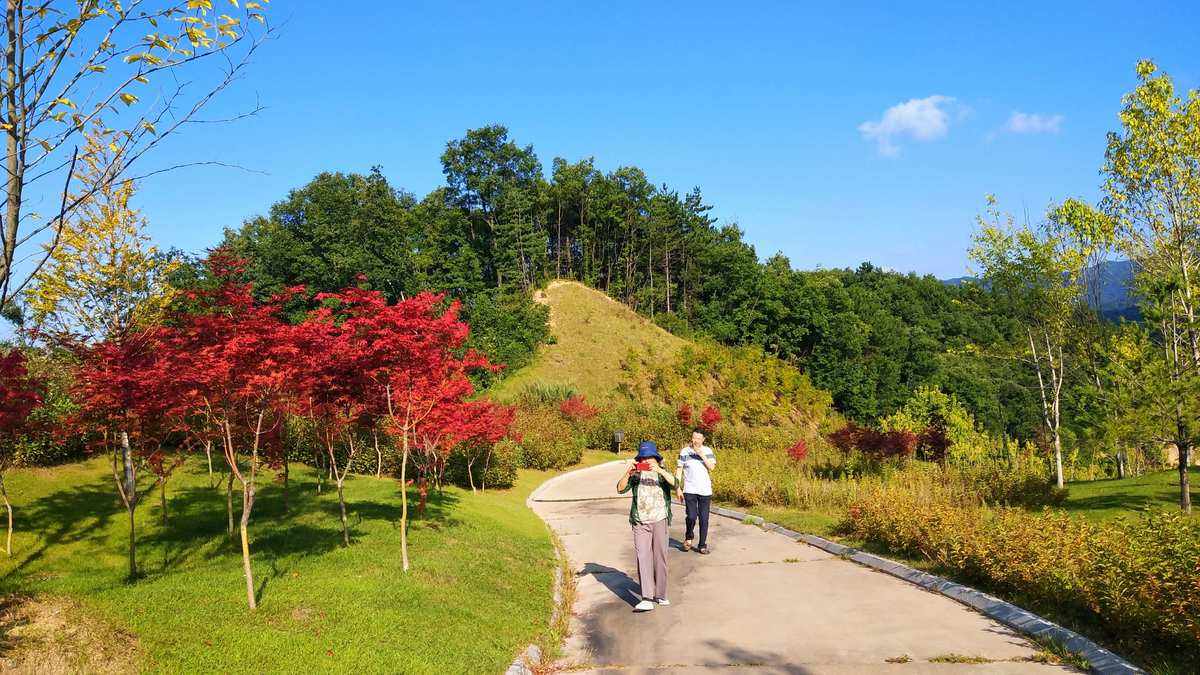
{"points": [[644, 606], [662, 601]]}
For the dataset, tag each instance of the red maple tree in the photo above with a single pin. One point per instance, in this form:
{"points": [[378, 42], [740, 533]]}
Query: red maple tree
{"points": [[231, 363], [20, 393]]}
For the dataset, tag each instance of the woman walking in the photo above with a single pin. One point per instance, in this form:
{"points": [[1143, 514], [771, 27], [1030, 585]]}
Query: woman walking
{"points": [[649, 516]]}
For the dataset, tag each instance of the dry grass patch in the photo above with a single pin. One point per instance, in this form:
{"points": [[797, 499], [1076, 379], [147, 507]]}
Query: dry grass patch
{"points": [[53, 634]]}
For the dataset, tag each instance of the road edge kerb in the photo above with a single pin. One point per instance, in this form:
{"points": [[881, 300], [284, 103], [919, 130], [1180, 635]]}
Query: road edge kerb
{"points": [[1100, 659]]}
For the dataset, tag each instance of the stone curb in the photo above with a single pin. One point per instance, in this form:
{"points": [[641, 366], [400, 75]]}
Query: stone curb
{"points": [[1101, 660]]}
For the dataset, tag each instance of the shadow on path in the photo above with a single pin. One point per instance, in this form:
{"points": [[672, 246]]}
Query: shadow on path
{"points": [[619, 583]]}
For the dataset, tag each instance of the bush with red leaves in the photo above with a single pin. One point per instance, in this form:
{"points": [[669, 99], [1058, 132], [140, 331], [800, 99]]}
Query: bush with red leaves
{"points": [[798, 451], [684, 415], [710, 418], [873, 443], [576, 408]]}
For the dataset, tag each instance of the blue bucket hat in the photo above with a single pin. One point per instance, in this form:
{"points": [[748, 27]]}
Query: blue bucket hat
{"points": [[647, 449]]}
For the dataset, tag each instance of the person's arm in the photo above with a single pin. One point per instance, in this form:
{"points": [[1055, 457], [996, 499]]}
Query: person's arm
{"points": [[709, 459], [623, 484], [663, 473]]}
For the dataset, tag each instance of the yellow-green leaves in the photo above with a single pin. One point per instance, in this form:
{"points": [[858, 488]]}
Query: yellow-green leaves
{"points": [[104, 277]]}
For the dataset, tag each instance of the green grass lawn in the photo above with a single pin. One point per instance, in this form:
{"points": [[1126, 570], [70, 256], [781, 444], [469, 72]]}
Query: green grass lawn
{"points": [[1111, 498], [479, 589]]}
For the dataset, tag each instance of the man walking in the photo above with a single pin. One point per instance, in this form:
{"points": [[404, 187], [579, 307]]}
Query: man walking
{"points": [[650, 516], [696, 462]]}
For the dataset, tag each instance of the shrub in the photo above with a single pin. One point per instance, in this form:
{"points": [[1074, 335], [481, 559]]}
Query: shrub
{"points": [[874, 444], [749, 386], [684, 415], [1135, 580], [547, 440], [494, 467], [538, 393], [709, 418], [799, 451], [576, 409]]}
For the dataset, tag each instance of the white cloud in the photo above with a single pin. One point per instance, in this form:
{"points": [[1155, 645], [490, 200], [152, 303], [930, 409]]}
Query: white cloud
{"points": [[921, 119], [1033, 123]]}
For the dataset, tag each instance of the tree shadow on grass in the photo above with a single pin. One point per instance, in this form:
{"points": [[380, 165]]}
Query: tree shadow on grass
{"points": [[197, 523], [82, 513], [1115, 501]]}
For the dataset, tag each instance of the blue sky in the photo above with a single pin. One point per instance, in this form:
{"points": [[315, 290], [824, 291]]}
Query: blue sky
{"points": [[832, 134]]}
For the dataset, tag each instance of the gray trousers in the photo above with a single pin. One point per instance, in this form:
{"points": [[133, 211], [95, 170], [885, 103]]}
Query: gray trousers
{"points": [[650, 544]]}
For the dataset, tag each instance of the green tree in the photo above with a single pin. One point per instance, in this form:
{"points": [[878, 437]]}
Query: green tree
{"points": [[1152, 192], [1040, 270]]}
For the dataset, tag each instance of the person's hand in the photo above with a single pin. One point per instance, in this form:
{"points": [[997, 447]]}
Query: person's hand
{"points": [[654, 466]]}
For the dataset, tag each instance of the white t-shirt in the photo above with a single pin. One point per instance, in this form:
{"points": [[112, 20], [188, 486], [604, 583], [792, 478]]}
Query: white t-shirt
{"points": [[696, 480]]}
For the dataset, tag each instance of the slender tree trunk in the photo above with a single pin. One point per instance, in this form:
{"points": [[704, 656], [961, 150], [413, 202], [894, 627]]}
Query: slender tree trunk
{"points": [[470, 474], [378, 454], [162, 499], [287, 481], [229, 501], [247, 500], [15, 164], [208, 454], [339, 479], [320, 471], [7, 507], [404, 501], [1184, 445], [130, 477], [248, 494]]}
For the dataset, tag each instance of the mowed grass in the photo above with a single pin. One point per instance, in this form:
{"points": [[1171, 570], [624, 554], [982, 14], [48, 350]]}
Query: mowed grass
{"points": [[593, 335], [1100, 500], [479, 590]]}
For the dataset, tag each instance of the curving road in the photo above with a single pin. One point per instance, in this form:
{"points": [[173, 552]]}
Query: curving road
{"points": [[759, 603]]}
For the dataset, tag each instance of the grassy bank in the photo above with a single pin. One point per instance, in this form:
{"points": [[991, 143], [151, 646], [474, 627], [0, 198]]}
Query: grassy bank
{"points": [[1101, 500], [478, 591]]}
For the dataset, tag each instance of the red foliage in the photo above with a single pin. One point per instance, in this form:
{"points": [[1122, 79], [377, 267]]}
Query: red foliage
{"points": [[20, 393], [933, 443], [799, 451], [576, 408], [709, 418], [846, 438], [410, 371], [873, 443], [684, 415]]}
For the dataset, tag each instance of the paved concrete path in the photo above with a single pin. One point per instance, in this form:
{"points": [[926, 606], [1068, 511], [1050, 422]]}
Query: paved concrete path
{"points": [[759, 603]]}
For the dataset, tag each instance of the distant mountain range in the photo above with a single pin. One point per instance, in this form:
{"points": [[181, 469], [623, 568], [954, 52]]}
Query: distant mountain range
{"points": [[1115, 279]]}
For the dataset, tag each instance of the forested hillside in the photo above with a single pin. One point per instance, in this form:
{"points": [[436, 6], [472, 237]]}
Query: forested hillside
{"points": [[503, 225]]}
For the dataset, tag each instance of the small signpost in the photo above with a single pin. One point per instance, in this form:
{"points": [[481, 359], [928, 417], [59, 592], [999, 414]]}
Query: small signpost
{"points": [[617, 440]]}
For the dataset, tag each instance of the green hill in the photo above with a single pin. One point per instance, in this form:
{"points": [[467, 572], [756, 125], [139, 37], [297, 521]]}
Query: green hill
{"points": [[616, 357], [593, 335]]}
